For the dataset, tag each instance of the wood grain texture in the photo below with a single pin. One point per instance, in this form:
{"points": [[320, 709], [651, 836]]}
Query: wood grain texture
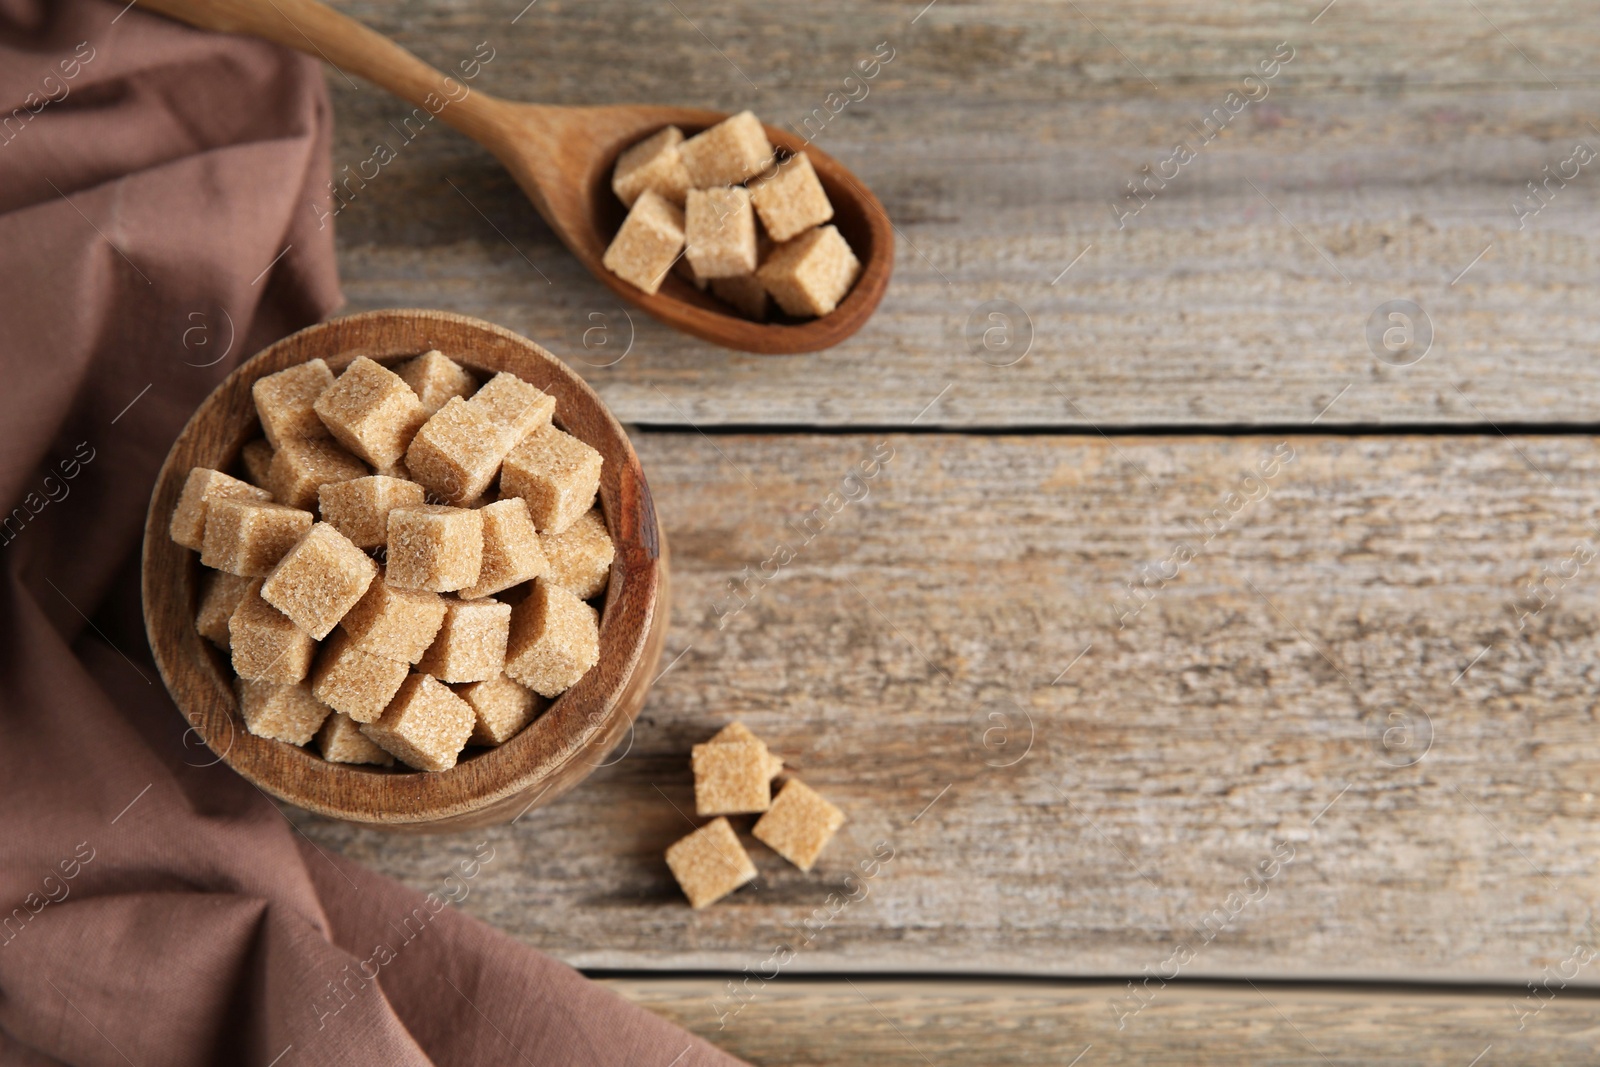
{"points": [[1385, 160], [821, 1023], [1333, 684]]}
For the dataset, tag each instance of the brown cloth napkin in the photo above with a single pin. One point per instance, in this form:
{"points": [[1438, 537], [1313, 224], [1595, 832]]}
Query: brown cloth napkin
{"points": [[155, 908]]}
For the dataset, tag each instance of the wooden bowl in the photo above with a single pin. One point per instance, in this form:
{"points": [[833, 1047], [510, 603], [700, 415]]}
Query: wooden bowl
{"points": [[550, 755]]}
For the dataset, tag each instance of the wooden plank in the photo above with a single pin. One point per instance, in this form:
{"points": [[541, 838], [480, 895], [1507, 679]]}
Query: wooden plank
{"points": [[1381, 165], [1332, 685], [819, 1023]]}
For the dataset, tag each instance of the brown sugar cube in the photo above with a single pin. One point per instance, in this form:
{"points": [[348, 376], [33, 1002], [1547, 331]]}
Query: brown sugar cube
{"points": [[730, 152], [511, 550], [256, 458], [222, 595], [799, 824], [810, 274], [502, 708], [371, 411], [709, 863], [515, 407], [356, 682], [267, 646], [434, 547], [457, 452], [300, 468], [435, 378], [425, 726], [557, 474], [249, 537], [471, 645], [730, 778], [746, 293], [342, 741], [579, 557], [285, 402], [398, 624], [653, 164], [359, 508], [319, 579], [790, 198], [720, 232], [282, 712], [555, 639], [738, 731], [647, 243], [188, 526]]}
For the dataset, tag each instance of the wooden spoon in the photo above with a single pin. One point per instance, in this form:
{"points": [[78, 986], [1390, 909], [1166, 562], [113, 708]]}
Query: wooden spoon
{"points": [[563, 157]]}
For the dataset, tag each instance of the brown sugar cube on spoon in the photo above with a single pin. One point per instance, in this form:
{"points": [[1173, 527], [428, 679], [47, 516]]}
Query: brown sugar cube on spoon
{"points": [[359, 508], [810, 274], [425, 726], [371, 411], [286, 402], [556, 474], [249, 537], [709, 863], [266, 644], [319, 579], [471, 645], [647, 244], [790, 198], [555, 639], [730, 778], [398, 624], [729, 153], [515, 407], [434, 547], [652, 165], [301, 467], [457, 452], [502, 708], [188, 526], [579, 558], [435, 378], [281, 712], [354, 682], [799, 824], [720, 233], [341, 741], [512, 553]]}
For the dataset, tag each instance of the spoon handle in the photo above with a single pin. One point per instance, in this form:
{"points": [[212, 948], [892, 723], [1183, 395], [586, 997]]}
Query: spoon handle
{"points": [[352, 48]]}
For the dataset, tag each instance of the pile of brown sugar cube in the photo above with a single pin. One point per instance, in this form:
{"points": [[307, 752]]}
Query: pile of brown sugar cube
{"points": [[733, 774], [732, 217], [373, 589]]}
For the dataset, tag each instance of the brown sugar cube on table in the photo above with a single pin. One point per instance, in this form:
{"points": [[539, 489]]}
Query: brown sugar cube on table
{"points": [[319, 579], [555, 639], [557, 474], [300, 468], [356, 682], [359, 508], [457, 452], [720, 233], [728, 153], [747, 295], [799, 824], [188, 526], [790, 198], [730, 778], [647, 243], [434, 547], [256, 458], [398, 624], [709, 863], [371, 411], [471, 645], [512, 553], [285, 402], [502, 708], [249, 537], [341, 741], [425, 726], [435, 378], [738, 731], [515, 407], [281, 712], [810, 274], [579, 557], [222, 594], [652, 165], [265, 643]]}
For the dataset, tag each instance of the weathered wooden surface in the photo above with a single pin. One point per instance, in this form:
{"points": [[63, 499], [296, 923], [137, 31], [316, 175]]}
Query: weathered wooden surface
{"points": [[1298, 688], [1382, 162], [1007, 1024]]}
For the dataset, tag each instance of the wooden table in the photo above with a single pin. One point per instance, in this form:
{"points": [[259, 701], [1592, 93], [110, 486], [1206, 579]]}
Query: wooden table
{"points": [[1188, 576]]}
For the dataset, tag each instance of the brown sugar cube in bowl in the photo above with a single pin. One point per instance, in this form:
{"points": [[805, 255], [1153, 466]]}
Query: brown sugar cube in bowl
{"points": [[579, 558], [425, 726], [799, 824], [730, 778], [457, 452], [810, 274], [746, 294], [720, 233], [398, 624], [556, 474], [188, 527], [738, 731], [790, 198], [285, 402], [512, 553], [709, 863], [301, 468], [435, 378], [729, 153], [652, 165], [471, 645], [256, 459], [502, 708], [515, 407], [280, 712], [555, 639], [265, 643], [357, 683], [434, 547], [221, 597], [249, 537], [371, 411], [359, 508], [647, 243], [341, 741], [319, 580]]}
